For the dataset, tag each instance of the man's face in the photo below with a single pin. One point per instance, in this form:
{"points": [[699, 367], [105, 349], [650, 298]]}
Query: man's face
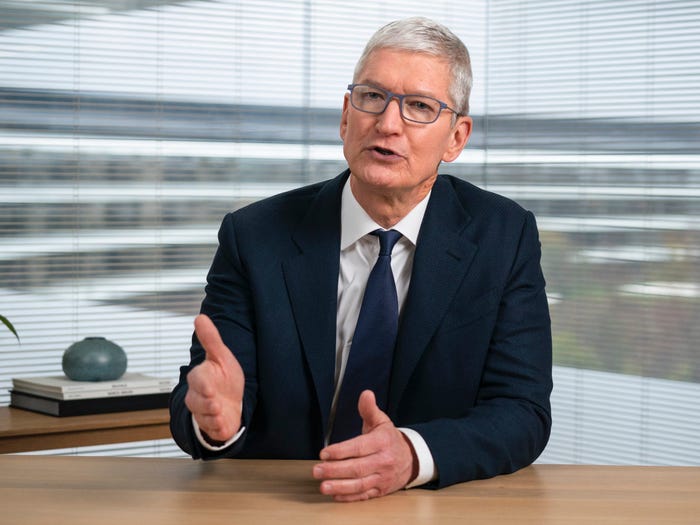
{"points": [[387, 154]]}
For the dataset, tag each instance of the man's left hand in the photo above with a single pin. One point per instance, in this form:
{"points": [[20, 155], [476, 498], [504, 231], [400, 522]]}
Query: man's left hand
{"points": [[376, 463]]}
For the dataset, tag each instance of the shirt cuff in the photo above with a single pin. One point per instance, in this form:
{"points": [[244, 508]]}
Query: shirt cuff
{"points": [[209, 446], [427, 470]]}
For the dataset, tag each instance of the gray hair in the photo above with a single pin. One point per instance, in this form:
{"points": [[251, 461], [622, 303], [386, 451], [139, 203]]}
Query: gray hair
{"points": [[422, 35]]}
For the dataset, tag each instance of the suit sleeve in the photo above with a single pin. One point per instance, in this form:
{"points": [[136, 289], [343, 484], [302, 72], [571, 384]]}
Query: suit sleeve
{"points": [[228, 302], [509, 424]]}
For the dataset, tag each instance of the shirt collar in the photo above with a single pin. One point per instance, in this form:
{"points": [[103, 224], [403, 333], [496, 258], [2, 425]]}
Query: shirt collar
{"points": [[355, 223]]}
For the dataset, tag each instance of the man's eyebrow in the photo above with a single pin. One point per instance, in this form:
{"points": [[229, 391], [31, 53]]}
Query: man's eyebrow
{"points": [[374, 83], [371, 82]]}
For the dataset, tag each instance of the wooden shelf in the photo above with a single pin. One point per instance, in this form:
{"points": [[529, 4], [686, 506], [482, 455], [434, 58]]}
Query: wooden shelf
{"points": [[24, 431]]}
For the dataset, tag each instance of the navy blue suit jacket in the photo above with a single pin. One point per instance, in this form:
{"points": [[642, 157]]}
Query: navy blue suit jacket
{"points": [[472, 366]]}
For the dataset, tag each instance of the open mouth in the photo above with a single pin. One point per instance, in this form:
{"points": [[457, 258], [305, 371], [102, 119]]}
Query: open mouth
{"points": [[384, 151]]}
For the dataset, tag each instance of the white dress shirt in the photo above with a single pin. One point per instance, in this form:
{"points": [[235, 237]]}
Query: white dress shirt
{"points": [[358, 252]]}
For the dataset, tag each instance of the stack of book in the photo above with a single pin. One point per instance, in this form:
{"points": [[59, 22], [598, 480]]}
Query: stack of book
{"points": [[60, 396]]}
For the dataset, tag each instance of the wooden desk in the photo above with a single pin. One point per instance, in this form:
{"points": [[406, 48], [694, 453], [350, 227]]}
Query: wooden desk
{"points": [[107, 490], [23, 431]]}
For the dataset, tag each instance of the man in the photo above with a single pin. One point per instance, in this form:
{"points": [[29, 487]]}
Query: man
{"points": [[466, 390]]}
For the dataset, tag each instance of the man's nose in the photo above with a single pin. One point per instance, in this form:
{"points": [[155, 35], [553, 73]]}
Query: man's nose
{"points": [[391, 117]]}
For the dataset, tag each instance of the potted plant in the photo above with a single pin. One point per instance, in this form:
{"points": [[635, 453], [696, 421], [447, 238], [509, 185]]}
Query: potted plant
{"points": [[7, 323]]}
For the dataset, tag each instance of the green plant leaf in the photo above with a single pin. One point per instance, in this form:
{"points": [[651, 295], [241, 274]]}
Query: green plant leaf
{"points": [[7, 323]]}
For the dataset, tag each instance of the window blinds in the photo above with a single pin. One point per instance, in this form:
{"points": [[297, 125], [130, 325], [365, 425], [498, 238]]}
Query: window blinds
{"points": [[128, 129], [592, 116]]}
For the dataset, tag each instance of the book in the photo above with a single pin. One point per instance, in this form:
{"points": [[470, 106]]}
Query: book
{"points": [[96, 394], [81, 407], [60, 387]]}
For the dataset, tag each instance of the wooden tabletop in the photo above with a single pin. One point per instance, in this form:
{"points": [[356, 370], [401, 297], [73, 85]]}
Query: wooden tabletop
{"points": [[23, 431], [107, 490]]}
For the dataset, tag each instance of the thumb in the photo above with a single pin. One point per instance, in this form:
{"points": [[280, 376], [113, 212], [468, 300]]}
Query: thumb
{"points": [[209, 337], [372, 416]]}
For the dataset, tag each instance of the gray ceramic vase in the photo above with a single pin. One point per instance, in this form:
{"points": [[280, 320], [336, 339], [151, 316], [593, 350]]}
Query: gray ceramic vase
{"points": [[94, 359]]}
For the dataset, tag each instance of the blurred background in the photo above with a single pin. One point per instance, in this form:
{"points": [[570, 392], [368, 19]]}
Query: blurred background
{"points": [[128, 128]]}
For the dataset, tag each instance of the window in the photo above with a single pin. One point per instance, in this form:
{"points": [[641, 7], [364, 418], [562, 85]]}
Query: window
{"points": [[129, 128], [592, 115]]}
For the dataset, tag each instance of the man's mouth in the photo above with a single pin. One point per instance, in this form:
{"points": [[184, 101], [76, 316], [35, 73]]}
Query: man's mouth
{"points": [[384, 151]]}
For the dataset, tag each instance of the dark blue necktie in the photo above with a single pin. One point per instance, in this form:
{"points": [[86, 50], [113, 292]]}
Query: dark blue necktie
{"points": [[372, 349]]}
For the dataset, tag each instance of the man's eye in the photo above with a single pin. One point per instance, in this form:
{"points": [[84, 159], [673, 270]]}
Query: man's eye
{"points": [[373, 95], [420, 105]]}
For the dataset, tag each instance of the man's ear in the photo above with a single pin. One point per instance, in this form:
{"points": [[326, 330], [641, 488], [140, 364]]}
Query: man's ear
{"points": [[459, 135], [344, 117]]}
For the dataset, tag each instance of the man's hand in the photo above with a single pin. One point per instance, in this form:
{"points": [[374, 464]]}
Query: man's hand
{"points": [[215, 386], [378, 462]]}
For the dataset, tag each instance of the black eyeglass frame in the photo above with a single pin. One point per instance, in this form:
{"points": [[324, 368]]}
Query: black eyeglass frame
{"points": [[400, 98]]}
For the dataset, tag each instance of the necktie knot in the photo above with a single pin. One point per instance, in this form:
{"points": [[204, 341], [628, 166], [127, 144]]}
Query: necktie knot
{"points": [[387, 240]]}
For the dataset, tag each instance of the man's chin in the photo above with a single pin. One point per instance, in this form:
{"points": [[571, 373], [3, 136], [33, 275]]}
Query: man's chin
{"points": [[379, 180]]}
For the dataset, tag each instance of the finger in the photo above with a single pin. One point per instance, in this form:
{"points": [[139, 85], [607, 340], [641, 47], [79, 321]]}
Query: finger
{"points": [[199, 379], [356, 447], [372, 416], [370, 494], [211, 416], [350, 487], [210, 339], [352, 468], [200, 404], [216, 428]]}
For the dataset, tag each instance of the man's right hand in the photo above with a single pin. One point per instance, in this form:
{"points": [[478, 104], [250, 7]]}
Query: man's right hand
{"points": [[215, 386]]}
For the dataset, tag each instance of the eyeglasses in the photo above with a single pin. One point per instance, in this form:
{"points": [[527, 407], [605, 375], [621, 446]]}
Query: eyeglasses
{"points": [[416, 108]]}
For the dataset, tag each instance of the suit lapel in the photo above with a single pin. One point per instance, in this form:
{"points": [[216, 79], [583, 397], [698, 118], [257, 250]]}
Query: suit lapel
{"points": [[442, 258], [312, 284]]}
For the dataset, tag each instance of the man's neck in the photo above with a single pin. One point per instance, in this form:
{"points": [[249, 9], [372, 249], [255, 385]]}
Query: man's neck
{"points": [[388, 208]]}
